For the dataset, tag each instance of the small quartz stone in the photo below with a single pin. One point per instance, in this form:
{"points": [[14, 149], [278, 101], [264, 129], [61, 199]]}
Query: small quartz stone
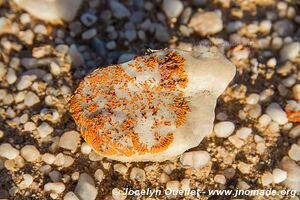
{"points": [[137, 174], [206, 23], [195, 159], [69, 140], [8, 151], [276, 113], [85, 148], [290, 51], [30, 153], [53, 11], [264, 120], [244, 168], [295, 132], [253, 98], [244, 132], [172, 8], [267, 179], [56, 187], [99, 175], [122, 169], [70, 196], [279, 175], [294, 152], [28, 179], [219, 178], [296, 92], [44, 129], [236, 141], [173, 186], [31, 99], [224, 129], [119, 10], [85, 188], [118, 194], [88, 19], [48, 158]]}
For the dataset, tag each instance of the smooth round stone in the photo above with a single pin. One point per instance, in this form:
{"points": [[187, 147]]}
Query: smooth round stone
{"points": [[119, 11], [195, 159], [219, 178], [244, 132], [284, 27], [28, 179], [48, 158], [31, 99], [25, 18], [172, 8], [130, 35], [295, 131], [85, 188], [44, 129], [99, 175], [236, 141], [279, 175], [206, 23], [70, 140], [244, 167], [89, 34], [277, 114], [30, 153], [253, 98], [173, 186], [88, 19], [290, 51], [126, 57], [111, 45], [57, 187], [3, 70], [294, 152], [70, 196], [293, 172], [224, 129], [265, 26], [267, 179], [122, 169], [29, 126], [264, 120], [85, 148], [118, 194], [11, 76], [8, 151], [137, 174], [161, 33], [296, 92], [55, 176]]}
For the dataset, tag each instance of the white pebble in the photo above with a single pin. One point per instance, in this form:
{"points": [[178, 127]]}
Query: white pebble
{"points": [[224, 129], [30, 153], [28, 179], [261, 147], [85, 188], [195, 159], [44, 129], [172, 8], [85, 148], [277, 114], [31, 99], [267, 179], [11, 76], [290, 51], [8, 151], [70, 196], [122, 169], [219, 178], [173, 186], [279, 175], [137, 174], [295, 132], [70, 140], [29, 126], [237, 142], [118, 194], [293, 173], [48, 158], [244, 167], [244, 132], [253, 98], [99, 175], [294, 152], [264, 120], [57, 187]]}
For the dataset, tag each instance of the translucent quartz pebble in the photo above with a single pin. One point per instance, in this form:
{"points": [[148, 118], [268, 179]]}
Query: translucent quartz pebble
{"points": [[154, 107]]}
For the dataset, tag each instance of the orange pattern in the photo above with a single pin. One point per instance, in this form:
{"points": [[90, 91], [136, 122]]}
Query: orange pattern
{"points": [[96, 100]]}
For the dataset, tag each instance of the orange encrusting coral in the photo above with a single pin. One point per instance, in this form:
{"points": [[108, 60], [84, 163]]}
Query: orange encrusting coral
{"points": [[110, 113]]}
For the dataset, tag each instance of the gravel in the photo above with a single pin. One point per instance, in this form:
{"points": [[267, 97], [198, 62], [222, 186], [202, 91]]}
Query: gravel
{"points": [[294, 152], [44, 129], [290, 51], [172, 8], [31, 99]]}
